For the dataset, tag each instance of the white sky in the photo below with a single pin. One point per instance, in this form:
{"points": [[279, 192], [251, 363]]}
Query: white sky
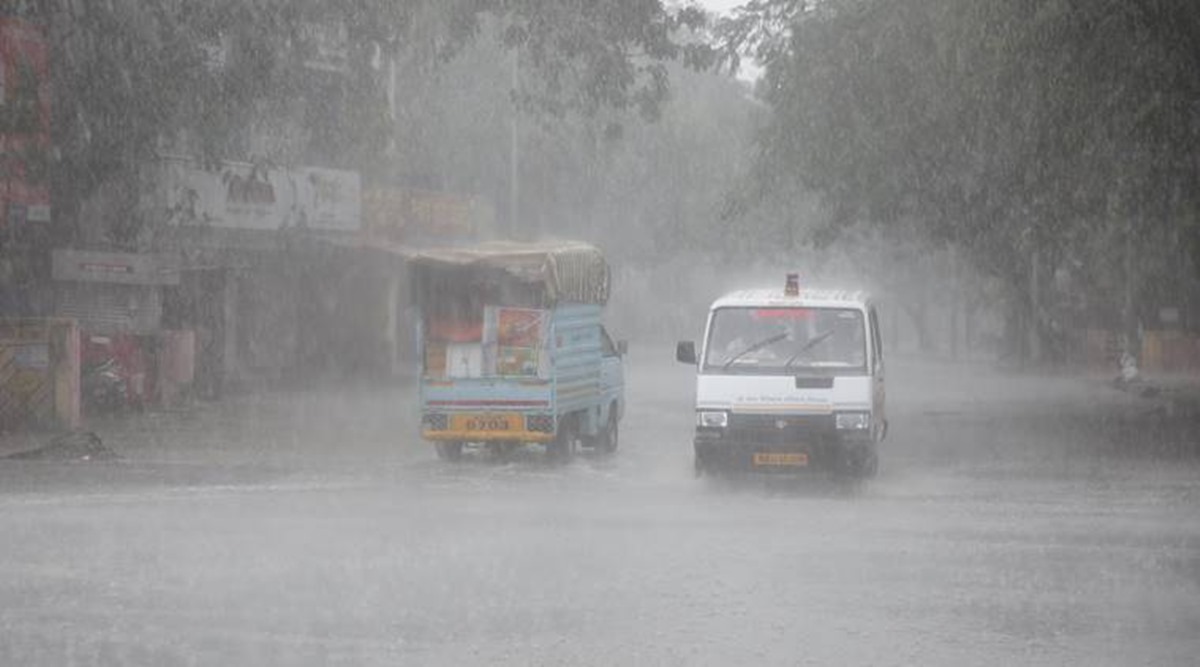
{"points": [[720, 5], [749, 70]]}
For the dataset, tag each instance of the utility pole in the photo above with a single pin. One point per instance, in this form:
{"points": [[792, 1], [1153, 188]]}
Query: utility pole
{"points": [[955, 300], [514, 184], [1129, 314], [1037, 354]]}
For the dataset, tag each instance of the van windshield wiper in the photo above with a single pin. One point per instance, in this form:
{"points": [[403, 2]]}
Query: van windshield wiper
{"points": [[807, 346], [754, 348]]}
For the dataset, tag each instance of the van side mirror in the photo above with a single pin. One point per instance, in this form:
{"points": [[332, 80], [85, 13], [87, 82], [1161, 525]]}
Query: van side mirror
{"points": [[685, 352], [622, 347]]}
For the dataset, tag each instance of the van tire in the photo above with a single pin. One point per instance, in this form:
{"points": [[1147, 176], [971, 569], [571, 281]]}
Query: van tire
{"points": [[860, 463]]}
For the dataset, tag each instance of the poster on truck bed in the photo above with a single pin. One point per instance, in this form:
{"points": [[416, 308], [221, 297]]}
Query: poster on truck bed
{"points": [[516, 337]]}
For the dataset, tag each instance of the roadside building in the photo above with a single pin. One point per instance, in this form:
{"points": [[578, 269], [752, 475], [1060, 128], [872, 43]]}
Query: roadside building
{"points": [[25, 150], [263, 253]]}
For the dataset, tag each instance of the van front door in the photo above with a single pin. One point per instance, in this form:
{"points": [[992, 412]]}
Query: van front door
{"points": [[878, 390]]}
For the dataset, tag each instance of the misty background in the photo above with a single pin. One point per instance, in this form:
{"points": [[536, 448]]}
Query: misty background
{"points": [[219, 201], [1010, 181]]}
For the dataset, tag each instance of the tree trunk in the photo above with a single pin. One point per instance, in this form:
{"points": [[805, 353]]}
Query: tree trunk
{"points": [[893, 328], [1015, 346], [954, 330], [969, 328], [1131, 337], [917, 314], [1033, 318]]}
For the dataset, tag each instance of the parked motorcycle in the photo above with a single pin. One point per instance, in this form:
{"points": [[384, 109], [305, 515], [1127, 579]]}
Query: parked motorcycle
{"points": [[103, 388]]}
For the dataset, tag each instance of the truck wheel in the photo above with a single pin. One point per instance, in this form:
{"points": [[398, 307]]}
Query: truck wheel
{"points": [[562, 448], [449, 451], [609, 438]]}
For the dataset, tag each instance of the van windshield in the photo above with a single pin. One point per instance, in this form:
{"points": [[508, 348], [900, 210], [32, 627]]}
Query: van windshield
{"points": [[786, 340]]}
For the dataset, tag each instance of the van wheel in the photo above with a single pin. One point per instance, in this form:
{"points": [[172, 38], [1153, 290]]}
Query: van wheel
{"points": [[449, 451], [861, 463], [609, 438], [872, 464]]}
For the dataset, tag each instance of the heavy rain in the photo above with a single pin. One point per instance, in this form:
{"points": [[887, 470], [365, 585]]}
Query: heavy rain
{"points": [[617, 332]]}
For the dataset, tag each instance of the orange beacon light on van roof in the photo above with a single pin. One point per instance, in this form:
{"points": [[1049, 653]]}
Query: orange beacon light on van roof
{"points": [[792, 288]]}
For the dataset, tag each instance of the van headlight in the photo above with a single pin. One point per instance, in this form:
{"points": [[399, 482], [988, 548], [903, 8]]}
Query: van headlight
{"points": [[853, 421], [712, 419]]}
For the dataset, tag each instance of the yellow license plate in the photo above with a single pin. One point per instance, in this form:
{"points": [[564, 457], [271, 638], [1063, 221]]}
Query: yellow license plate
{"points": [[774, 459], [483, 423]]}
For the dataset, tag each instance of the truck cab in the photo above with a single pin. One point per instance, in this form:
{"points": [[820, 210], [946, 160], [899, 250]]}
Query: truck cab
{"points": [[789, 379]]}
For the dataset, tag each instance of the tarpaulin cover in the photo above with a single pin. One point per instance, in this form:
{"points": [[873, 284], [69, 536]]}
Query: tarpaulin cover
{"points": [[565, 271]]}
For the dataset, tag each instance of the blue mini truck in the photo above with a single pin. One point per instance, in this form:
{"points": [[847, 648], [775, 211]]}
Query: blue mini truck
{"points": [[514, 350]]}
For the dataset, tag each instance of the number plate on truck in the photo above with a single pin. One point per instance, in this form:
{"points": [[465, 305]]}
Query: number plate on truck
{"points": [[779, 459], [501, 422]]}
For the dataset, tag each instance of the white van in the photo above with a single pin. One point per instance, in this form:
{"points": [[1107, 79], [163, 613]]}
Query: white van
{"points": [[789, 379]]}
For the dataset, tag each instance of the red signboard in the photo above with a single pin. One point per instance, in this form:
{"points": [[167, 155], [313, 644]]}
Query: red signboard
{"points": [[782, 314], [25, 137], [416, 217]]}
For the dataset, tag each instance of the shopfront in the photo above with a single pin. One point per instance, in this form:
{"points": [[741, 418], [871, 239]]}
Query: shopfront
{"points": [[128, 360]]}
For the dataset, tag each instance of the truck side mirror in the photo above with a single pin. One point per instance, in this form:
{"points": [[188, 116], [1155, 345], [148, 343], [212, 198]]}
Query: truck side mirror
{"points": [[685, 352], [622, 347]]}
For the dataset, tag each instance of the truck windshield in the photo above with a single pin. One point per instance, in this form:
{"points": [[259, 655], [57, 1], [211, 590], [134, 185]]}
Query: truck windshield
{"points": [[786, 340]]}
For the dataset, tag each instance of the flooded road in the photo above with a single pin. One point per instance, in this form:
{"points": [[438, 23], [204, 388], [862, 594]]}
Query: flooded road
{"points": [[1015, 521]]}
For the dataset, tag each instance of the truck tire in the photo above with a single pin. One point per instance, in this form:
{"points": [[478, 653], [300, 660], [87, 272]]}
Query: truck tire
{"points": [[562, 448], [610, 437], [449, 451]]}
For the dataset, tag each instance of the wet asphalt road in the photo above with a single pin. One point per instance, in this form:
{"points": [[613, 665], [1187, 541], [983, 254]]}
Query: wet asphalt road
{"points": [[1014, 521]]}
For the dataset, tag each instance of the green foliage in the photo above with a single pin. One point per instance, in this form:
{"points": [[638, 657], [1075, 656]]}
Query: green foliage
{"points": [[236, 79], [1018, 131], [606, 54], [642, 189]]}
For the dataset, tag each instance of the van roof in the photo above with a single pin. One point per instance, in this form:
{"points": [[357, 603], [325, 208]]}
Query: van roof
{"points": [[816, 298]]}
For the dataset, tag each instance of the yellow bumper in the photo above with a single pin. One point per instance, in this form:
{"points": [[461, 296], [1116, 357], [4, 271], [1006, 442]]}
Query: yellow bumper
{"points": [[463, 435], [485, 427]]}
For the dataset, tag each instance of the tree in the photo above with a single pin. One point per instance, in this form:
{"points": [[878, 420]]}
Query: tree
{"points": [[1015, 131], [236, 78], [640, 187]]}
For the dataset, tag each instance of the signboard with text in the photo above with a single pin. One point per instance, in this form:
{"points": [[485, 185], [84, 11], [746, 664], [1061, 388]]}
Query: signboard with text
{"points": [[416, 217], [243, 196], [114, 267]]}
